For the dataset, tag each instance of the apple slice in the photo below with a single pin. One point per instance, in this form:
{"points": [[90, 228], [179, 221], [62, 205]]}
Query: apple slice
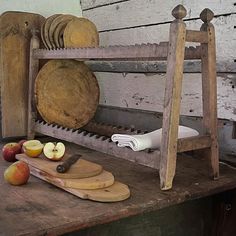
{"points": [[54, 151], [33, 148]]}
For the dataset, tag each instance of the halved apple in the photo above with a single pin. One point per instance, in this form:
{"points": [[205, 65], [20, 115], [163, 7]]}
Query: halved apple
{"points": [[54, 151], [33, 148]]}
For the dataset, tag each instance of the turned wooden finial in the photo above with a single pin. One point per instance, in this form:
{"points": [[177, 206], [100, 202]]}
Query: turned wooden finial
{"points": [[206, 15], [179, 12]]}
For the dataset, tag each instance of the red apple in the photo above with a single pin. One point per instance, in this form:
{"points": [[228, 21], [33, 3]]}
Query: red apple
{"points": [[21, 142], [9, 151], [17, 173]]}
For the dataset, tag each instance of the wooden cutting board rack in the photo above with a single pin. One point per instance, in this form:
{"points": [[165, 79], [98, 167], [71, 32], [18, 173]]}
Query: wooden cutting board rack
{"points": [[175, 53]]}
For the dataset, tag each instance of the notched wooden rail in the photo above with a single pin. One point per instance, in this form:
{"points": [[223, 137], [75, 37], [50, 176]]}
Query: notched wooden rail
{"points": [[148, 52]]}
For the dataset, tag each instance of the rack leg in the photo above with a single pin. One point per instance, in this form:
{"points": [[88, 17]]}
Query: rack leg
{"points": [[33, 70], [209, 92], [172, 100]]}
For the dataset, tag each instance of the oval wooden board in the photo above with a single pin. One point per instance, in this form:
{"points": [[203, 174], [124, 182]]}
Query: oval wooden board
{"points": [[66, 93], [56, 21], [114, 193], [80, 32], [102, 180], [46, 30], [81, 169]]}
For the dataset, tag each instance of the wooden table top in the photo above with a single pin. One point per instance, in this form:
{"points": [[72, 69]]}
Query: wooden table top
{"points": [[39, 208]]}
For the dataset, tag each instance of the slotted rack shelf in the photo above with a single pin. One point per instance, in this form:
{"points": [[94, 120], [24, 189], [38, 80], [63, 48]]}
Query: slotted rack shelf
{"points": [[175, 52]]}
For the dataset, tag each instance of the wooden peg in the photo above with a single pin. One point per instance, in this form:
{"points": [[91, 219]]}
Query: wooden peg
{"points": [[206, 15], [179, 12]]}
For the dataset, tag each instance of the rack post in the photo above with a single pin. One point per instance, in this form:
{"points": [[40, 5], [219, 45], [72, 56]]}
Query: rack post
{"points": [[209, 91], [33, 71], [172, 99]]}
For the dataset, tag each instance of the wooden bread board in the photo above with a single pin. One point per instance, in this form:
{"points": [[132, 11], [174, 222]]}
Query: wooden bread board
{"points": [[81, 169], [103, 180], [113, 193], [15, 38]]}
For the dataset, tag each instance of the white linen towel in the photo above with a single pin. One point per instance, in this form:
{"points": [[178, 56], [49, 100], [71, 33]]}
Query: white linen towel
{"points": [[149, 140]]}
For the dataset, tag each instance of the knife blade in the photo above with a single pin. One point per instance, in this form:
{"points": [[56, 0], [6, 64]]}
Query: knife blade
{"points": [[65, 166]]}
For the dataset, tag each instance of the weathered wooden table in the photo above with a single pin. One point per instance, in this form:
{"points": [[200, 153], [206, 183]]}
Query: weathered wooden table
{"points": [[39, 208]]}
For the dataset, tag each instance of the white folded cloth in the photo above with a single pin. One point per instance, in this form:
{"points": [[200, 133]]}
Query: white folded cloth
{"points": [[149, 140]]}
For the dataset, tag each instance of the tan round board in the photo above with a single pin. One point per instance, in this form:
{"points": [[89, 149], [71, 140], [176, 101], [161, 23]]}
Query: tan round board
{"points": [[80, 169], [46, 30], [56, 21], [42, 36], [58, 32], [80, 32], [66, 93]]}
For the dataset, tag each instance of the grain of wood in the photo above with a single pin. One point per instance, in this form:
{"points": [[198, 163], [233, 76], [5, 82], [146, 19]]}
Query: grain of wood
{"points": [[172, 99], [33, 71]]}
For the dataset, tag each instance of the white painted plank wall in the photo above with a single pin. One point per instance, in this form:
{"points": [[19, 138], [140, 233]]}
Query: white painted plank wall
{"points": [[140, 12], [225, 38], [146, 92], [128, 22], [98, 3]]}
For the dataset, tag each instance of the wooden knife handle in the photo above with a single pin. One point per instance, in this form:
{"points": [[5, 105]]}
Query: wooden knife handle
{"points": [[65, 166]]}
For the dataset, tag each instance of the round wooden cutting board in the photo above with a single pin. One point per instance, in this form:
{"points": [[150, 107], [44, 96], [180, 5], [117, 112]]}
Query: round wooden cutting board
{"points": [[46, 27], [80, 32], [66, 93], [42, 36], [59, 31], [55, 23]]}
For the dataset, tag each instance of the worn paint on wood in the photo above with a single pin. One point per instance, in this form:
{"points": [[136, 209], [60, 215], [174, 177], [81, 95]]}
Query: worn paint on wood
{"points": [[137, 12]]}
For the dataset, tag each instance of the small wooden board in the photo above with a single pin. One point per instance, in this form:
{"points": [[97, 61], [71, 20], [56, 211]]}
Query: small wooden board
{"points": [[81, 169], [54, 24], [103, 180], [59, 31], [114, 193], [80, 32], [15, 38], [46, 27], [66, 93]]}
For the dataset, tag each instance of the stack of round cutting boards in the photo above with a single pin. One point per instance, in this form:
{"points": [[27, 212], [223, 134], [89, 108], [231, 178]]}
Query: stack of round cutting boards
{"points": [[68, 31], [66, 91]]}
